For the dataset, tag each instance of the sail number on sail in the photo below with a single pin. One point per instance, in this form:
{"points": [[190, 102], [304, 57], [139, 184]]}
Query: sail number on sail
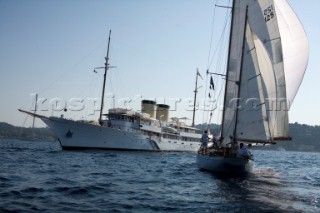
{"points": [[268, 13]]}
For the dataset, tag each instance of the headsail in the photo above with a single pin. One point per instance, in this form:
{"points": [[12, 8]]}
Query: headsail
{"points": [[295, 47], [262, 79]]}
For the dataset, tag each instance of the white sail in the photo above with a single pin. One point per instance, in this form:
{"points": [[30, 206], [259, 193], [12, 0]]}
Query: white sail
{"points": [[252, 122], [295, 47], [265, 69], [233, 70], [268, 79]]}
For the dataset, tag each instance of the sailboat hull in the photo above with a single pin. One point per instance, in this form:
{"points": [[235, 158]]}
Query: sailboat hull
{"points": [[80, 135], [225, 165]]}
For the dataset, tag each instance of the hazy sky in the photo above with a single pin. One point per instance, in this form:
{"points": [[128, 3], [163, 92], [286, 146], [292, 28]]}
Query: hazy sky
{"points": [[50, 47]]}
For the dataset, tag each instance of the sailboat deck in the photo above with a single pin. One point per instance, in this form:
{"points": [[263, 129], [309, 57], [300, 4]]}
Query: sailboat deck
{"points": [[222, 152]]}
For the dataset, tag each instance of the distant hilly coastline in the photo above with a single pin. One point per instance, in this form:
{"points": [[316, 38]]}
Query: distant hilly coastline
{"points": [[8, 131], [305, 137]]}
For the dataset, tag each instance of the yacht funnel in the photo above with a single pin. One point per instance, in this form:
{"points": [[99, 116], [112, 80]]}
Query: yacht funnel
{"points": [[149, 107], [163, 112]]}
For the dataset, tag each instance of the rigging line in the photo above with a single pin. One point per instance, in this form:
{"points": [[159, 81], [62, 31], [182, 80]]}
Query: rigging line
{"points": [[30, 108], [222, 49], [212, 106], [219, 103], [215, 96], [25, 120], [221, 89], [205, 97], [92, 88], [211, 114], [209, 56], [211, 37], [89, 85], [113, 82], [69, 70], [216, 81], [72, 68], [222, 37]]}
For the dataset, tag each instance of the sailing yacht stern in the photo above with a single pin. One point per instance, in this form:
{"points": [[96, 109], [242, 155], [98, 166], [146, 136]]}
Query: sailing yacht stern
{"points": [[224, 164]]}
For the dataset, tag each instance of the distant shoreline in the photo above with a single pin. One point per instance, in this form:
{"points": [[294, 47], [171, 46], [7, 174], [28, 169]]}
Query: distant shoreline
{"points": [[28, 138], [305, 138]]}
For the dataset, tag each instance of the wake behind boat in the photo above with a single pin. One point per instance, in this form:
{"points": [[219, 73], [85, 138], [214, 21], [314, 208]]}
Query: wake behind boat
{"points": [[149, 130], [267, 59]]}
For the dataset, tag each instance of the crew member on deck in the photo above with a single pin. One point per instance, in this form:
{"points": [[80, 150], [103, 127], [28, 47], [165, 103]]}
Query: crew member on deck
{"points": [[204, 141], [243, 151]]}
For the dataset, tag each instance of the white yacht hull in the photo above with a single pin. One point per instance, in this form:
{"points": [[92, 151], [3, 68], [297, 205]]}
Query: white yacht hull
{"points": [[226, 165], [79, 135]]}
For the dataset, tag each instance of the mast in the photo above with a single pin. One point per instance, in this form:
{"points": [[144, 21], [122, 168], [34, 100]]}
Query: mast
{"points": [[104, 79], [195, 98], [35, 110], [227, 76], [240, 75]]}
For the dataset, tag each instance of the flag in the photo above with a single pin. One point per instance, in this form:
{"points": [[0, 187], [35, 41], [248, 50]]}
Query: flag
{"points": [[211, 83], [198, 73]]}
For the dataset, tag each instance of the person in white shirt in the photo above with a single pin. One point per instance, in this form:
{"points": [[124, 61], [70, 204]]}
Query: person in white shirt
{"points": [[243, 151]]}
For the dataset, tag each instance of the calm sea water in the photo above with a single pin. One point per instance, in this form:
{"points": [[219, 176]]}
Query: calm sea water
{"points": [[40, 177]]}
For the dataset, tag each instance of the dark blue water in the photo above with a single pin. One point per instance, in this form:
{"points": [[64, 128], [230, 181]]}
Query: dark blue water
{"points": [[40, 177]]}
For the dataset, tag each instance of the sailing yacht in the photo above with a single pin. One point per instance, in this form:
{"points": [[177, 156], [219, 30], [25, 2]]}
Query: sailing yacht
{"points": [[267, 59], [123, 129]]}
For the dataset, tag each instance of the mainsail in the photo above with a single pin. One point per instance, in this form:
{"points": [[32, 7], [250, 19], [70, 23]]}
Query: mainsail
{"points": [[268, 55]]}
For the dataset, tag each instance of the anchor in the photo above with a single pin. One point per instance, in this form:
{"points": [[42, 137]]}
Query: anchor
{"points": [[69, 134]]}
